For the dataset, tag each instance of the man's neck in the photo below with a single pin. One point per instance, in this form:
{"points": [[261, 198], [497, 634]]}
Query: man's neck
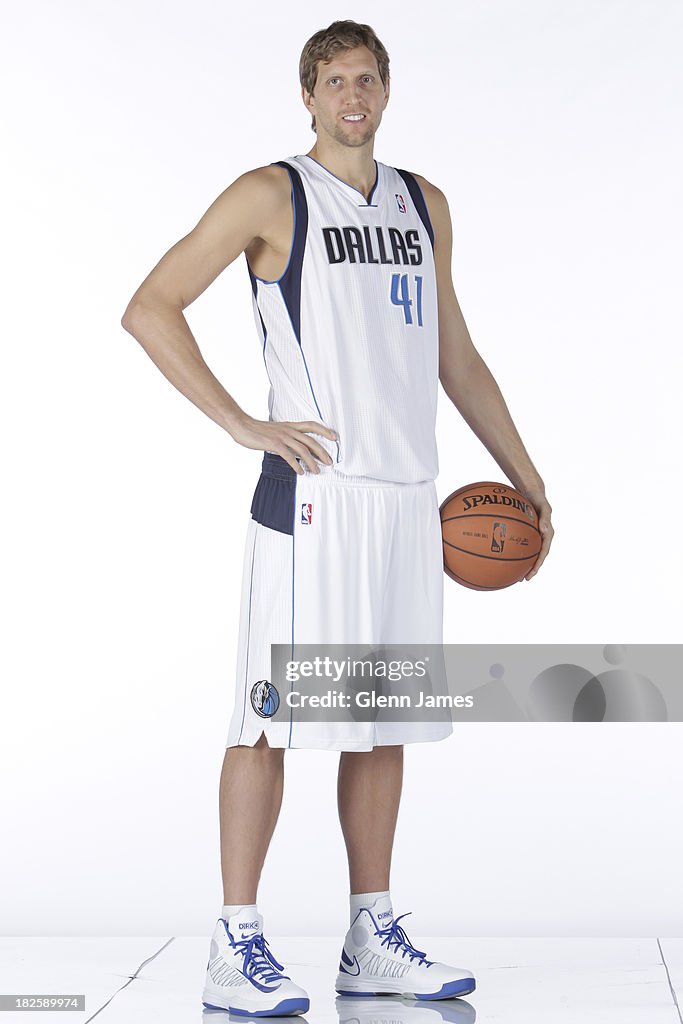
{"points": [[354, 166]]}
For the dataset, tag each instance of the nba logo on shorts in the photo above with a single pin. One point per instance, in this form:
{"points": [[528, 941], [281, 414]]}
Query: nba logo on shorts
{"points": [[306, 512], [401, 202]]}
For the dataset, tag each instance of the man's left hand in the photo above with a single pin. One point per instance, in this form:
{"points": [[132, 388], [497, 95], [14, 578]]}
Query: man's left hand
{"points": [[544, 511]]}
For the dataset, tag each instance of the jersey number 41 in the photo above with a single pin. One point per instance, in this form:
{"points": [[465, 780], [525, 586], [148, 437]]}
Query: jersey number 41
{"points": [[400, 281]]}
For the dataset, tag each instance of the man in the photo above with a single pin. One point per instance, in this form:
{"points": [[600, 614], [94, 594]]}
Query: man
{"points": [[347, 257]]}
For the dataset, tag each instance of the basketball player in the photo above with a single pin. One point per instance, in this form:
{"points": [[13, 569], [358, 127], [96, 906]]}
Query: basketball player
{"points": [[349, 261]]}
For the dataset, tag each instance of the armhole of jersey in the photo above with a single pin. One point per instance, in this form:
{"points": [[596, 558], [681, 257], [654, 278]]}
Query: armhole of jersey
{"points": [[290, 280], [418, 198]]}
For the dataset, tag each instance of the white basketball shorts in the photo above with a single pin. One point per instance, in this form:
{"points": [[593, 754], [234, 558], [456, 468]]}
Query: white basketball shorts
{"points": [[340, 560]]}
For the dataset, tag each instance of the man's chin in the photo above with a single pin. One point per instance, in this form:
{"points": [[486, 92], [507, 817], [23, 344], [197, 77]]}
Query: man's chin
{"points": [[354, 139]]}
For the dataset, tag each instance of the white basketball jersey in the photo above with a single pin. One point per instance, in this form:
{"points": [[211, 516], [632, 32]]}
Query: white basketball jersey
{"points": [[350, 330]]}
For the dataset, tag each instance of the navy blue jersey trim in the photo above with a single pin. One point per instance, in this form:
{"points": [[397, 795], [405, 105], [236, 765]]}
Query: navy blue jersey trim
{"points": [[418, 201], [290, 282], [273, 501]]}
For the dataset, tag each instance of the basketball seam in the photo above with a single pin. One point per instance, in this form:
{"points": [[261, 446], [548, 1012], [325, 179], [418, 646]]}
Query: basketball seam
{"points": [[491, 515], [493, 558], [473, 585]]}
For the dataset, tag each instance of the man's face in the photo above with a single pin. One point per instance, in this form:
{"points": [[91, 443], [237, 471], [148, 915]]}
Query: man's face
{"points": [[348, 84]]}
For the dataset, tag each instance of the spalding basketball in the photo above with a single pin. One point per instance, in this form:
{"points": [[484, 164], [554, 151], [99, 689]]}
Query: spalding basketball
{"points": [[490, 536]]}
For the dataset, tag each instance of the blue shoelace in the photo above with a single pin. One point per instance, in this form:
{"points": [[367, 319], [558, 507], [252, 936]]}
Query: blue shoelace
{"points": [[394, 935], [258, 959]]}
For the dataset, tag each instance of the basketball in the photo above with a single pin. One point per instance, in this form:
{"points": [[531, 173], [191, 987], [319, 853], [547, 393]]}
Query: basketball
{"points": [[490, 536]]}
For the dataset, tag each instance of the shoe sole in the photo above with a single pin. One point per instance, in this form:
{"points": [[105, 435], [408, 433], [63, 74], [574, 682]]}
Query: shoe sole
{"points": [[285, 1008], [462, 987]]}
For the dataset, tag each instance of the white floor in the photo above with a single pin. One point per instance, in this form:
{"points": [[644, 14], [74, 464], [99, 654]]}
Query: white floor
{"points": [[519, 981]]}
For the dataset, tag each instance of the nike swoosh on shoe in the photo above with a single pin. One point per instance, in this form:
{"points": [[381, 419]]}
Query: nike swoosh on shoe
{"points": [[347, 962]]}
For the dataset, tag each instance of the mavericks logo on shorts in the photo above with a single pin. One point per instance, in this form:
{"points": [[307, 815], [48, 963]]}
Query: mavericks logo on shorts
{"points": [[265, 700]]}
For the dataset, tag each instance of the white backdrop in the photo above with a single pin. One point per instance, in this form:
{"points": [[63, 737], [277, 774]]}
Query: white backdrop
{"points": [[553, 130]]}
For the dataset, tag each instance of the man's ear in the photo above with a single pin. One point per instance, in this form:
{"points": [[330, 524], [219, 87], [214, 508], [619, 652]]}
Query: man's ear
{"points": [[307, 98]]}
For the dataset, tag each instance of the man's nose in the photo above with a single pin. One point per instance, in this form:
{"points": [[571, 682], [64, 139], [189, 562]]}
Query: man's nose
{"points": [[351, 93]]}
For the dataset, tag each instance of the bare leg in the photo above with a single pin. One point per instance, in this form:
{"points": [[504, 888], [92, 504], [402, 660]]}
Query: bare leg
{"points": [[250, 798], [368, 797]]}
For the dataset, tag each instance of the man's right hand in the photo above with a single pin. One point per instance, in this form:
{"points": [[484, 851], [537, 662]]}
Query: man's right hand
{"points": [[286, 439]]}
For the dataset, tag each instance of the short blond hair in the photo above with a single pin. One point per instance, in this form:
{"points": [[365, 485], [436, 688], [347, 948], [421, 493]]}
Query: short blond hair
{"points": [[337, 37]]}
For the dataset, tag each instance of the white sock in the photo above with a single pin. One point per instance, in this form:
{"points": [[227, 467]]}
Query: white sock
{"points": [[228, 911], [367, 900]]}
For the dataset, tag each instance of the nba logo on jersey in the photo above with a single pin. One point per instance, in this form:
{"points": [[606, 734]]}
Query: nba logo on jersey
{"points": [[306, 512], [401, 202]]}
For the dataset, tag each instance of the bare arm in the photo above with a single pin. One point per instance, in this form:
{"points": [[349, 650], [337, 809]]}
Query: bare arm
{"points": [[469, 383], [154, 315]]}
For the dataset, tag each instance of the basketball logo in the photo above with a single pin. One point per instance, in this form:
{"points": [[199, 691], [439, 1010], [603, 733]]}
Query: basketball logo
{"points": [[498, 537], [400, 202], [306, 512], [265, 700]]}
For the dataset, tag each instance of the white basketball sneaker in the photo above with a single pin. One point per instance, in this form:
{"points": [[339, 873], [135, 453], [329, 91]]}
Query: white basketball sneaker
{"points": [[242, 974], [378, 958]]}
